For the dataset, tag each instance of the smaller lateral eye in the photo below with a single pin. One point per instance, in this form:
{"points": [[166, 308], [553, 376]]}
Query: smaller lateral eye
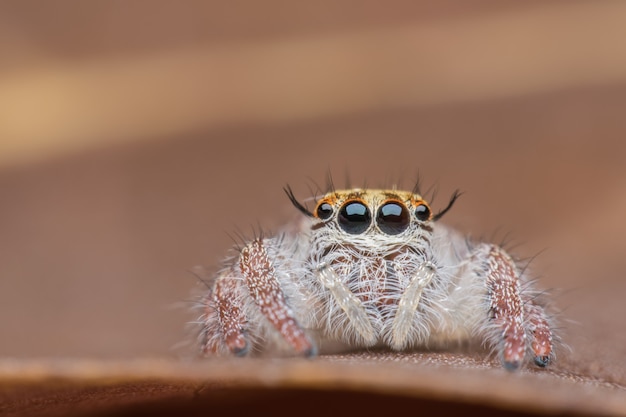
{"points": [[422, 212], [324, 211]]}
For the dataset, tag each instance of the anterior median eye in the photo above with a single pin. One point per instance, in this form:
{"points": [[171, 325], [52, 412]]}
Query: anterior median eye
{"points": [[354, 217], [393, 218]]}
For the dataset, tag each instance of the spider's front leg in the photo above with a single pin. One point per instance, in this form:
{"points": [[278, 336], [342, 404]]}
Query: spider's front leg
{"points": [[520, 324], [223, 319], [263, 286], [228, 310]]}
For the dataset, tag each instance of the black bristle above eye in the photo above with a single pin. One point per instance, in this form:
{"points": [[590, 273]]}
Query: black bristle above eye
{"points": [[296, 203], [418, 183], [453, 198]]}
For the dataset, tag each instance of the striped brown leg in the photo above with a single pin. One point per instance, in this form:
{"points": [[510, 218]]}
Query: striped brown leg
{"points": [[505, 306], [541, 339], [224, 320], [260, 277], [231, 315]]}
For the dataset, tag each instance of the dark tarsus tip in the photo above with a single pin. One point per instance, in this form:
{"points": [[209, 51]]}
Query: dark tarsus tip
{"points": [[511, 366], [310, 352], [453, 198], [542, 361], [296, 203], [242, 351]]}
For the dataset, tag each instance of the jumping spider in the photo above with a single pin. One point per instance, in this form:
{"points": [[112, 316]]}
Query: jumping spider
{"points": [[372, 267]]}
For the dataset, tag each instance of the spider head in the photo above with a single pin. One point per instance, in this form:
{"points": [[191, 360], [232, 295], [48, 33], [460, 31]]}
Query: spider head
{"points": [[372, 211], [386, 212]]}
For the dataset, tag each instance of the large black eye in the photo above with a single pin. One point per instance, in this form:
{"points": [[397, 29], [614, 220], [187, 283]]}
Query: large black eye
{"points": [[393, 218], [354, 217], [422, 212], [324, 211]]}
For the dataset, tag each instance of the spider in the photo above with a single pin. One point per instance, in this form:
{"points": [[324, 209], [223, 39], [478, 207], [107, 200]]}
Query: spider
{"points": [[373, 268]]}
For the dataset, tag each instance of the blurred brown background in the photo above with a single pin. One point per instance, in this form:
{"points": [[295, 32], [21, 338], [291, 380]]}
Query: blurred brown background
{"points": [[136, 135]]}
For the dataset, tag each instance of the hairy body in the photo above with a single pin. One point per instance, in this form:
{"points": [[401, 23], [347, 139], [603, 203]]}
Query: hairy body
{"points": [[372, 268]]}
